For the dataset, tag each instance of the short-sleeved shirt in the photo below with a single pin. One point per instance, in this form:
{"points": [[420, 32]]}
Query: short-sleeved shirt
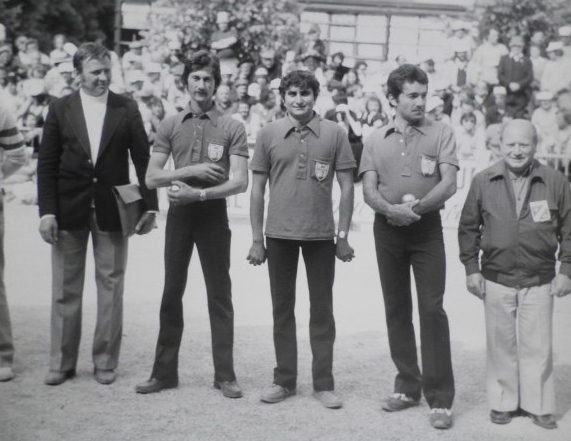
{"points": [[301, 164], [408, 163], [194, 139]]}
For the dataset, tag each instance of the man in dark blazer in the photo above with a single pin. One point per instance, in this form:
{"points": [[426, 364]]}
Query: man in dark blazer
{"points": [[515, 73], [88, 137]]}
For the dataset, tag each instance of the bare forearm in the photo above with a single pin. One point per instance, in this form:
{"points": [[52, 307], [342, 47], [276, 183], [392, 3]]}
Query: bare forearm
{"points": [[227, 188], [156, 178], [435, 198], [346, 208]]}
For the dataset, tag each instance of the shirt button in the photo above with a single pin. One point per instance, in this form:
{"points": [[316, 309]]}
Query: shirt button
{"points": [[94, 180]]}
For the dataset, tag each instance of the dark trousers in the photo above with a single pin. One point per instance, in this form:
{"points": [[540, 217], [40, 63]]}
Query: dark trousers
{"points": [[206, 225], [319, 258], [421, 246]]}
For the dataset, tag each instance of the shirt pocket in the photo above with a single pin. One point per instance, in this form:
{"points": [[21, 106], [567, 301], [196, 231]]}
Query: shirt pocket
{"points": [[320, 168], [427, 164]]}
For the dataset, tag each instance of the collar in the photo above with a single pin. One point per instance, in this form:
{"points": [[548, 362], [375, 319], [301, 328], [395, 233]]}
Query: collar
{"points": [[85, 98], [286, 126], [500, 171], [517, 57], [421, 128], [212, 114]]}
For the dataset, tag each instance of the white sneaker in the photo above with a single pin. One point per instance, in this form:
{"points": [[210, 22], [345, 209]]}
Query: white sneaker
{"points": [[6, 373]]}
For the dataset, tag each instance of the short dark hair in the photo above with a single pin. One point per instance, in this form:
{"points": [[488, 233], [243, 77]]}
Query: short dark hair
{"points": [[89, 51], [407, 73], [299, 78], [338, 54], [202, 60], [468, 116]]}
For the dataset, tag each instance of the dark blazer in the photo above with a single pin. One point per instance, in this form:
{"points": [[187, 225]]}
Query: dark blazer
{"points": [[519, 72], [69, 180]]}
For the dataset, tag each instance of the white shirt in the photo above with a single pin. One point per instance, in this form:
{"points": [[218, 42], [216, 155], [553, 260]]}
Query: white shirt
{"points": [[94, 109]]}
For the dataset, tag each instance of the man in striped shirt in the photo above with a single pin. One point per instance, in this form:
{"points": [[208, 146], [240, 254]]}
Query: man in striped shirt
{"points": [[12, 157]]}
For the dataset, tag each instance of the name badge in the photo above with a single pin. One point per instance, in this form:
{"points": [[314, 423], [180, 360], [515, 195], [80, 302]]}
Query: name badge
{"points": [[215, 151], [321, 170], [427, 166], [540, 211]]}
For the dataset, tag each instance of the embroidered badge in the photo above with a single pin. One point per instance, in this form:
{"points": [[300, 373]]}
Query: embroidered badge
{"points": [[427, 166], [215, 151], [540, 211], [321, 170]]}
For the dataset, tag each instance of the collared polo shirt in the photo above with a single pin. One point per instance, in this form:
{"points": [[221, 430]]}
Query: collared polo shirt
{"points": [[517, 250], [194, 139], [408, 163], [301, 164]]}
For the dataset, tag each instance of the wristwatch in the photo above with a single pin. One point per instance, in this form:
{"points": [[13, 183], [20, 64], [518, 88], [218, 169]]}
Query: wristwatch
{"points": [[342, 235], [202, 195]]}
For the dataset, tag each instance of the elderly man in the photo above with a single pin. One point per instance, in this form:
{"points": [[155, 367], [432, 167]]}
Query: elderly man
{"points": [[517, 213]]}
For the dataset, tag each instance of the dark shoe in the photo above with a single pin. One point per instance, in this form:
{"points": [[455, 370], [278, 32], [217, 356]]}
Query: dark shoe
{"points": [[105, 376], [329, 399], [397, 402], [55, 378], [230, 389], [441, 418], [153, 385], [545, 421], [276, 393], [6, 373], [498, 417]]}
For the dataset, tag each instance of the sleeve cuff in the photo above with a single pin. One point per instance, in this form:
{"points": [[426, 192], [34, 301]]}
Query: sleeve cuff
{"points": [[47, 216], [472, 268], [565, 268]]}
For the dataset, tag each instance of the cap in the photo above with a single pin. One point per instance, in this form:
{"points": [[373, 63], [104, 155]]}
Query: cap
{"points": [[35, 87], [65, 67], [565, 31], [554, 46], [222, 17], [261, 72], [544, 96], [432, 103], [499, 90], [134, 76], [517, 40], [275, 83]]}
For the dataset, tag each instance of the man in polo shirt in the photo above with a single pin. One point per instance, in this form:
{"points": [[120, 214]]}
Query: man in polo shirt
{"points": [[517, 213], [409, 170], [299, 154], [210, 156]]}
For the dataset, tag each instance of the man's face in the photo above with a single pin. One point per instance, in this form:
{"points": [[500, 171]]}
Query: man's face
{"points": [[493, 36], [518, 145], [516, 49], [267, 62], [201, 86], [95, 76], [299, 103], [244, 110], [337, 61], [410, 104], [223, 94]]}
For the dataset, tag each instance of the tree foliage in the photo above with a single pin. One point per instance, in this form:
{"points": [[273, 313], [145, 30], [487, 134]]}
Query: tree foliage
{"points": [[260, 23], [79, 20], [523, 17]]}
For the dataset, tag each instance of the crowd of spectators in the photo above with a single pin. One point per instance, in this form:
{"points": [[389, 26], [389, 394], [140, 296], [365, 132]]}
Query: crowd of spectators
{"points": [[474, 88]]}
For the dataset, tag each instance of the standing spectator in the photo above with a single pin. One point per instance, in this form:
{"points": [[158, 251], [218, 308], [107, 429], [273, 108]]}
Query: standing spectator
{"points": [[58, 53], [538, 63], [224, 100], [487, 56], [544, 118], [269, 61], [350, 80], [565, 35], [311, 43], [252, 121], [88, 137], [210, 163], [456, 70], [409, 170], [267, 107], [299, 154], [12, 157], [517, 214], [471, 139], [32, 55], [516, 75], [339, 69], [361, 69], [224, 41], [555, 75]]}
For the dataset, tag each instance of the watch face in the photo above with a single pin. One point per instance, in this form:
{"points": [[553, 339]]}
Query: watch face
{"points": [[342, 234]]}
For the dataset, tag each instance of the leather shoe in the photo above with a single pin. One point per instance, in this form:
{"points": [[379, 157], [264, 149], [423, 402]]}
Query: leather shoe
{"points": [[545, 421], [105, 376], [6, 373], [498, 417], [276, 393], [55, 378], [441, 418], [328, 398], [153, 385], [397, 402], [230, 389]]}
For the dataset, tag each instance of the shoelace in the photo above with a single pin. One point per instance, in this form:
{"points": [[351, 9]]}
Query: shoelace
{"points": [[444, 411], [402, 397]]}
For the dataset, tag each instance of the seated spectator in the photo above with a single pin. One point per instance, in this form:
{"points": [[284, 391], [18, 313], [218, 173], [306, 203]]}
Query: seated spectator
{"points": [[311, 61], [57, 86], [176, 93], [538, 62], [374, 116], [134, 82], [261, 77], [12, 96], [133, 58], [555, 76], [38, 100], [358, 100], [311, 43], [463, 104], [337, 63], [493, 136], [455, 71], [495, 113], [224, 100], [32, 56], [350, 81], [58, 54], [241, 87], [515, 73], [486, 58], [270, 62], [267, 107], [252, 121], [324, 101], [545, 120], [224, 41], [361, 67], [471, 139], [435, 110], [563, 99], [245, 70]]}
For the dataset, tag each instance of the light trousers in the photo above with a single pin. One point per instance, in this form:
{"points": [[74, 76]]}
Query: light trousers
{"points": [[519, 348], [6, 344]]}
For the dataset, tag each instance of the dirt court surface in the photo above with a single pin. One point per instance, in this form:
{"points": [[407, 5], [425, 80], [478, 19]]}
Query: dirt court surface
{"points": [[83, 410]]}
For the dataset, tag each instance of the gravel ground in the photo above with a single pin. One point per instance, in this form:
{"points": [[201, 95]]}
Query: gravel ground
{"points": [[81, 409]]}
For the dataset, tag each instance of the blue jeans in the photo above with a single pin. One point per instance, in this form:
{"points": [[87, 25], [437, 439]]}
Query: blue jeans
{"points": [[421, 246], [319, 257], [206, 225]]}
